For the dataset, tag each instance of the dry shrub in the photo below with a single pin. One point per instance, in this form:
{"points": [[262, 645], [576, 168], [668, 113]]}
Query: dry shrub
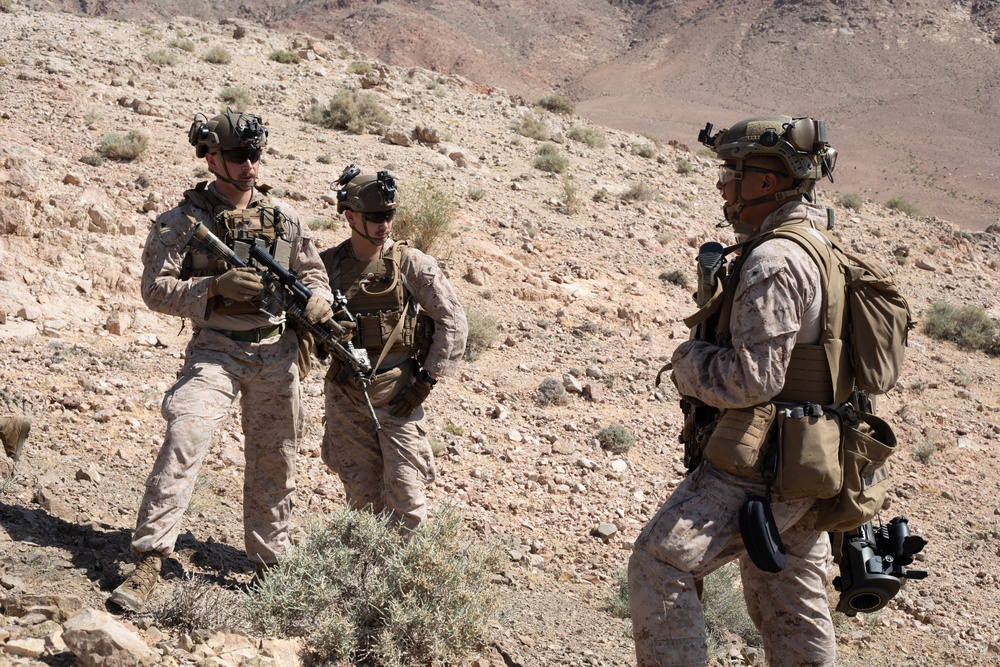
{"points": [[123, 147], [349, 110], [359, 594], [483, 332], [198, 604], [424, 216]]}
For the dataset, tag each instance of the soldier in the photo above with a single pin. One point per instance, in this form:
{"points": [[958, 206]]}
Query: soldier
{"points": [[236, 350], [768, 322], [414, 330], [14, 429]]}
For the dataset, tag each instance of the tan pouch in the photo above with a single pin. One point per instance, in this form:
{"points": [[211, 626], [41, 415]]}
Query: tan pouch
{"points": [[738, 440], [810, 461], [867, 447]]}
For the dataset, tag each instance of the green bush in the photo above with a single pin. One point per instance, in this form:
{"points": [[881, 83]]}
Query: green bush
{"points": [[557, 104], [850, 200], [358, 594], [533, 127], [349, 110], [182, 44], [284, 57], [644, 150], [901, 205], [591, 136], [476, 192], [235, 97], [615, 438], [684, 167], [549, 159], [125, 147], [324, 223], [618, 600], [360, 68], [424, 216], [640, 191], [676, 277], [218, 55], [162, 58], [726, 610], [483, 332], [571, 196], [968, 326], [94, 160]]}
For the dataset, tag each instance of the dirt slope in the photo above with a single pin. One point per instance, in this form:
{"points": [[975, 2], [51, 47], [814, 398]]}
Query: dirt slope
{"points": [[573, 294]]}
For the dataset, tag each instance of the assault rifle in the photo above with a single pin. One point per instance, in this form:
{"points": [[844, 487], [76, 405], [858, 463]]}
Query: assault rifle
{"points": [[711, 263], [284, 293]]}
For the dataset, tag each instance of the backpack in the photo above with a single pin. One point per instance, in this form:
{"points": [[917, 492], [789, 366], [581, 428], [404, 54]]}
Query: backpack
{"points": [[877, 316]]}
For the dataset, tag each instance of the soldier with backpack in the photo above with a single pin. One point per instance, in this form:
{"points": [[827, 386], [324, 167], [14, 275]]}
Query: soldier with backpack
{"points": [[768, 383], [407, 320]]}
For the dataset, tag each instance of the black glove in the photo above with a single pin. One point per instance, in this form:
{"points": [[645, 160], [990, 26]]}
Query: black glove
{"points": [[240, 284], [403, 405]]}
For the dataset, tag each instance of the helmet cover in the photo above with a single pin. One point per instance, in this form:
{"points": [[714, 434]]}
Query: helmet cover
{"points": [[227, 131], [365, 193], [798, 142]]}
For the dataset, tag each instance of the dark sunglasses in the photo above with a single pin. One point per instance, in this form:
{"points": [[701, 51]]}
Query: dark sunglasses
{"points": [[241, 155], [379, 217]]}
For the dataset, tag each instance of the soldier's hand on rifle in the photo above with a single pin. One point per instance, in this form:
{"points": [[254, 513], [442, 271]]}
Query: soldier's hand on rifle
{"points": [[317, 310], [240, 284], [404, 404], [349, 330]]}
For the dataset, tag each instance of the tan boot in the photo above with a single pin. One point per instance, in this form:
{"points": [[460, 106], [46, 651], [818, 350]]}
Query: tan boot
{"points": [[14, 431], [135, 590]]}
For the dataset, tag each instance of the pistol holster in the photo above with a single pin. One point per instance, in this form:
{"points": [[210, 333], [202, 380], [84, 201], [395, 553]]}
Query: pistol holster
{"points": [[760, 535]]}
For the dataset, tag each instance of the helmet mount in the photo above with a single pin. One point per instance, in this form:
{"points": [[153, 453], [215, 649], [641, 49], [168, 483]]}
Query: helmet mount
{"points": [[366, 193], [232, 130]]}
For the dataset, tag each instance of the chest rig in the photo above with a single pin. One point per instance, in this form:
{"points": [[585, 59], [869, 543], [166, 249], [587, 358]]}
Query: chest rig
{"points": [[262, 224], [379, 302]]}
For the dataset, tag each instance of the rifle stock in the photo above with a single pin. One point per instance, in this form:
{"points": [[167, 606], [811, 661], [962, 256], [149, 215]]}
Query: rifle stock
{"points": [[283, 292]]}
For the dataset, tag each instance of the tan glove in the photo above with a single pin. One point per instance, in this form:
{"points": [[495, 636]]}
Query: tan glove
{"points": [[350, 328], [403, 405], [317, 310], [240, 284]]}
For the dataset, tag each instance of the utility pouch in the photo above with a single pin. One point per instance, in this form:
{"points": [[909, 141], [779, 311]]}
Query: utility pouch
{"points": [[739, 439], [810, 458], [760, 535], [867, 446], [306, 347]]}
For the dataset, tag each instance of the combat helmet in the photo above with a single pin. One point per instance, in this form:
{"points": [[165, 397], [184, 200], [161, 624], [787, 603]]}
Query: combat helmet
{"points": [[799, 143], [372, 195], [365, 193], [227, 131]]}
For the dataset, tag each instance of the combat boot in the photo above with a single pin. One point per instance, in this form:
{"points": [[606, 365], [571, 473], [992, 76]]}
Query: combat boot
{"points": [[14, 431], [135, 590]]}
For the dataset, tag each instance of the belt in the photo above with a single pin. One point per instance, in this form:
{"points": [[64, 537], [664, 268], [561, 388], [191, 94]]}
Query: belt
{"points": [[253, 335]]}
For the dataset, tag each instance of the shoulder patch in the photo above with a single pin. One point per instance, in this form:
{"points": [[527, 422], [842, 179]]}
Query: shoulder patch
{"points": [[761, 270]]}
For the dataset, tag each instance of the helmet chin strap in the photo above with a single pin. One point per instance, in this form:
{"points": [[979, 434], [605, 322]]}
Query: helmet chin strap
{"points": [[227, 178], [363, 232], [732, 211]]}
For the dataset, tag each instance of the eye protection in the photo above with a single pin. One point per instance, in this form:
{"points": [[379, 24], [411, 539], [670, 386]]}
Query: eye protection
{"points": [[379, 217], [241, 155], [728, 172]]}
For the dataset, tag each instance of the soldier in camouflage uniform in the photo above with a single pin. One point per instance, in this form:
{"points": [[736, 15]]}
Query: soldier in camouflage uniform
{"points": [[236, 350], [413, 328], [767, 179]]}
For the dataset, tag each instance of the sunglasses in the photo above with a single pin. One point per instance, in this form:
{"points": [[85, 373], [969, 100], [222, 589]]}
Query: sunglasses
{"points": [[728, 172], [241, 155], [379, 217]]}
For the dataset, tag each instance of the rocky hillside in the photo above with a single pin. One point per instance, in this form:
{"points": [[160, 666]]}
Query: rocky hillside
{"points": [[586, 275]]}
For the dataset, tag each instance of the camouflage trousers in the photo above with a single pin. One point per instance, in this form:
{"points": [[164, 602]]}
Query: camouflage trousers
{"points": [[386, 470], [265, 377], [696, 532]]}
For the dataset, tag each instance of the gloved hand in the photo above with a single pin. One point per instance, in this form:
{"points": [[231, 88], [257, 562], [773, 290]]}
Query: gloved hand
{"points": [[317, 310], [240, 284], [350, 328], [403, 405]]}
